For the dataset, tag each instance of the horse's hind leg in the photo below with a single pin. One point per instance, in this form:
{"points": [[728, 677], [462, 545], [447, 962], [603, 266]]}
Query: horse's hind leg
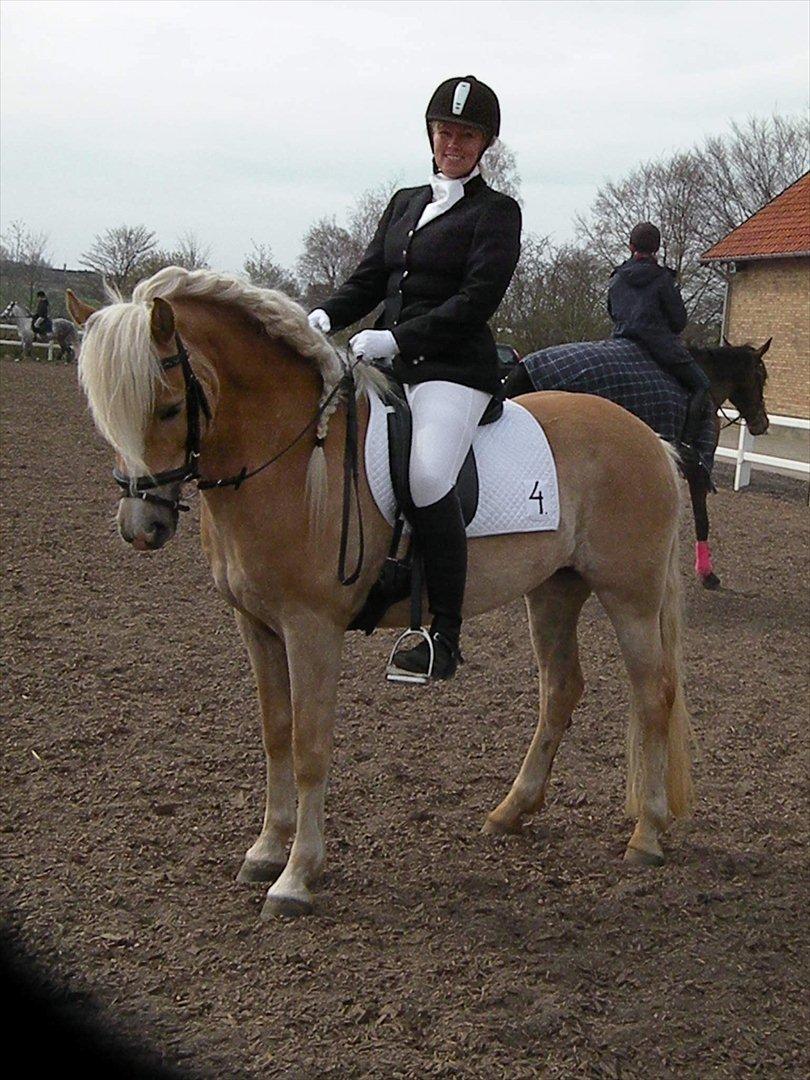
{"points": [[265, 859], [553, 610]]}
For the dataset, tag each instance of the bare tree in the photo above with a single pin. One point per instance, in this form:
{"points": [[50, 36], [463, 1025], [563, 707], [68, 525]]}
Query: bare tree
{"points": [[262, 270], [499, 169], [746, 169], [28, 249], [121, 255], [23, 245], [189, 253], [367, 211], [330, 254], [557, 294]]}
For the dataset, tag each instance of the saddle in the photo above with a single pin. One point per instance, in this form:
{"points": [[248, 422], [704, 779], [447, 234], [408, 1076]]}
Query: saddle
{"points": [[397, 578]]}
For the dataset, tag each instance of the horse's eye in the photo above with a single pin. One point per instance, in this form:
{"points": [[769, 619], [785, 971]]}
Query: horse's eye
{"points": [[169, 412]]}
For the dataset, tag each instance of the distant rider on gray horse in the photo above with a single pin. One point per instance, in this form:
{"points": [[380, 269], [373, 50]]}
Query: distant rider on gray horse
{"points": [[41, 321]]}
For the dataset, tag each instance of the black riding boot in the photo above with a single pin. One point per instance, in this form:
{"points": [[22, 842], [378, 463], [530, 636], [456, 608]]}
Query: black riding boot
{"points": [[442, 541]]}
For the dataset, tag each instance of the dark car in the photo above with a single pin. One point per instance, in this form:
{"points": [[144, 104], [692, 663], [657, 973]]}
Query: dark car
{"points": [[508, 359]]}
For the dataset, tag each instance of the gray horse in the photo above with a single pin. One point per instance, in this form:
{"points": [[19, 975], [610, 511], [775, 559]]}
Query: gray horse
{"points": [[63, 333]]}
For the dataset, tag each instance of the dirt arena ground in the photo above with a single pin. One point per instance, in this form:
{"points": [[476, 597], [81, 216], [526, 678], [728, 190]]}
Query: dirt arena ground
{"points": [[132, 783]]}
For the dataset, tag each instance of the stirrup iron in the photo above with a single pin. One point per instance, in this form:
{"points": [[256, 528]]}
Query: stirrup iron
{"points": [[395, 674]]}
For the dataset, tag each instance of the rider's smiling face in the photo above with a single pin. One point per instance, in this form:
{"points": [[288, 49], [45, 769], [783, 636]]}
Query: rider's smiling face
{"points": [[457, 148]]}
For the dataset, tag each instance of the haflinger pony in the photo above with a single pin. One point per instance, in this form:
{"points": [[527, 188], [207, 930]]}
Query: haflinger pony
{"points": [[736, 373], [203, 376]]}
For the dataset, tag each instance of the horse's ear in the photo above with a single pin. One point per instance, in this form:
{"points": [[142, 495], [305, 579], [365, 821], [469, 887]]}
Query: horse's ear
{"points": [[764, 348], [162, 321], [77, 309]]}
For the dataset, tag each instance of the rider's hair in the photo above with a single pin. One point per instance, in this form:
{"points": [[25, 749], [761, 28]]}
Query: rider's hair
{"points": [[645, 238]]}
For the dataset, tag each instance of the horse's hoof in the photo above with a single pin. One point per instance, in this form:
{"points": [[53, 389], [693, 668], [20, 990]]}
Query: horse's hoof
{"points": [[493, 827], [636, 857], [710, 581], [284, 907], [256, 871]]}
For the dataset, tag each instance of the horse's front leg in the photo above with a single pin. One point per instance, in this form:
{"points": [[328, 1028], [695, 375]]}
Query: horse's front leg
{"points": [[265, 860], [698, 491], [314, 651]]}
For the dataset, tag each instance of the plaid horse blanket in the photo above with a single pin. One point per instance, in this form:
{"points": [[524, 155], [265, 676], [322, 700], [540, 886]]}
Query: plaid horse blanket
{"points": [[620, 370]]}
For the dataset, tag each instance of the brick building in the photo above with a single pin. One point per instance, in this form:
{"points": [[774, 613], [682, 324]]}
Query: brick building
{"points": [[768, 293]]}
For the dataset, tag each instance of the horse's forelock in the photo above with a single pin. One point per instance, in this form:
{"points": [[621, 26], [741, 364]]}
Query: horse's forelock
{"points": [[118, 369]]}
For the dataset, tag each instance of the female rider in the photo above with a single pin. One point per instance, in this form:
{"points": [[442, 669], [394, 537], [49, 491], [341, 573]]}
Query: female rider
{"points": [[440, 262]]}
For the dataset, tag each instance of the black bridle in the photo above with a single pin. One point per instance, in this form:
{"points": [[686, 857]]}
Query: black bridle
{"points": [[142, 487]]}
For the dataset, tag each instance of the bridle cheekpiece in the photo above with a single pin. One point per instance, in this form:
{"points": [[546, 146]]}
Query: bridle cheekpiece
{"points": [[142, 487]]}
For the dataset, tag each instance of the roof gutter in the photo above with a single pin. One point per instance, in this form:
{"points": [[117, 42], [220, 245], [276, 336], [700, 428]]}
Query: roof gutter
{"points": [[755, 258]]}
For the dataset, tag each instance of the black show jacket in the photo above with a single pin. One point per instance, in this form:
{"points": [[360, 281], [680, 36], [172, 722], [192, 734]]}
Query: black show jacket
{"points": [[439, 284]]}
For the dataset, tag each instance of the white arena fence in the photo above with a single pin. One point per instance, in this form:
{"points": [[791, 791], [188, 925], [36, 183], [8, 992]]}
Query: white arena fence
{"points": [[746, 458], [743, 455]]}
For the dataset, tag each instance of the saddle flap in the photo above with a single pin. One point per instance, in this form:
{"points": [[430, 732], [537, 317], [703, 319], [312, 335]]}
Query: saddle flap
{"points": [[398, 419]]}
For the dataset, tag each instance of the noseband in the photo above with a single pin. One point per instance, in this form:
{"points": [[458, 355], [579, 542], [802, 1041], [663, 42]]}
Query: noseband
{"points": [[141, 487]]}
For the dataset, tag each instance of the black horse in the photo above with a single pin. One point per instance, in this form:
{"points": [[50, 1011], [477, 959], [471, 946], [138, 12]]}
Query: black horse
{"points": [[737, 374]]}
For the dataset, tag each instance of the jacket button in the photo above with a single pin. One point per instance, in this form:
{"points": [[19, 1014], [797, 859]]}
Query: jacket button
{"points": [[404, 274], [410, 233]]}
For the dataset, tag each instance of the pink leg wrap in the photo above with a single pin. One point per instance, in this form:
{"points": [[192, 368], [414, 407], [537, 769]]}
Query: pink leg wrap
{"points": [[703, 558]]}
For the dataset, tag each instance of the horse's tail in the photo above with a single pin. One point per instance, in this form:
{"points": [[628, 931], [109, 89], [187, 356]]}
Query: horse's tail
{"points": [[680, 794]]}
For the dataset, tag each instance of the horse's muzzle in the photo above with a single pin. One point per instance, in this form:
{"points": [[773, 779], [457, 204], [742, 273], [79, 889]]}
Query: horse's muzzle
{"points": [[145, 525]]}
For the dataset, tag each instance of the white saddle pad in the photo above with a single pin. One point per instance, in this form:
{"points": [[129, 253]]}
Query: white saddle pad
{"points": [[517, 477]]}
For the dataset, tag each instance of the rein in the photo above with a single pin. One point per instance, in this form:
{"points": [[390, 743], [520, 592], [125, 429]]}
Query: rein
{"points": [[730, 420], [142, 487]]}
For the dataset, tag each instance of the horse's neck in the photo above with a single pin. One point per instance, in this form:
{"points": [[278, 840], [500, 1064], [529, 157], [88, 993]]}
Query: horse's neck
{"points": [[721, 385], [265, 392]]}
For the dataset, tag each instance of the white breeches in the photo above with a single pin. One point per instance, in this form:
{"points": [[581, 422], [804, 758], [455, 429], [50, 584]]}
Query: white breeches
{"points": [[445, 416]]}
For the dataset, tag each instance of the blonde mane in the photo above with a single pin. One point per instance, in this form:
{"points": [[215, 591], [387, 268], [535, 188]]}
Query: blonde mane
{"points": [[119, 370]]}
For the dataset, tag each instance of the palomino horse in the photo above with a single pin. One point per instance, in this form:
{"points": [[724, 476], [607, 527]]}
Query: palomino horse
{"points": [[63, 332], [251, 408], [737, 374]]}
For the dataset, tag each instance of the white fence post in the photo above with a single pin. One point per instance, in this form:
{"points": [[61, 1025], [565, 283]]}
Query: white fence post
{"points": [[745, 445]]}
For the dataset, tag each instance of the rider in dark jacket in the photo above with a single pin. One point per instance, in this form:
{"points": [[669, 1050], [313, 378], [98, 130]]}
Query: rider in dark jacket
{"points": [[646, 306], [41, 322]]}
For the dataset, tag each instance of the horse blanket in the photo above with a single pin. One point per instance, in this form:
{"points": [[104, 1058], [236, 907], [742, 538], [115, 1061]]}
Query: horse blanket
{"points": [[620, 370]]}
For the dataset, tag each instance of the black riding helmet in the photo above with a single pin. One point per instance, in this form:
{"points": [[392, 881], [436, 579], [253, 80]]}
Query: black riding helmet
{"points": [[465, 100]]}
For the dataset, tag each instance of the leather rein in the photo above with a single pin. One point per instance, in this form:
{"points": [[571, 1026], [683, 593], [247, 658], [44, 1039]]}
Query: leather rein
{"points": [[197, 406]]}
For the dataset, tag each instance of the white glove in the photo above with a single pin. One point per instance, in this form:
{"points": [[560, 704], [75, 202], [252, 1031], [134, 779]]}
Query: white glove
{"points": [[374, 345], [319, 320]]}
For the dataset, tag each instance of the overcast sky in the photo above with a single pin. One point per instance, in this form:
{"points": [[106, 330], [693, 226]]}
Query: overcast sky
{"points": [[249, 120]]}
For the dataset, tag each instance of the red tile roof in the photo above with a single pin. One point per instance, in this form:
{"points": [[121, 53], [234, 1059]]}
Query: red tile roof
{"points": [[781, 227]]}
